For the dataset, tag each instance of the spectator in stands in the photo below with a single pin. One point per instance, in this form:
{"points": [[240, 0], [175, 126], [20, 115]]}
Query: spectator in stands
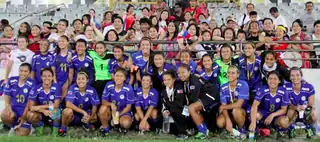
{"points": [[8, 36], [93, 19], [129, 17], [196, 10], [86, 19], [204, 25], [157, 8], [61, 27], [229, 35], [280, 35], [309, 17], [231, 23], [91, 34], [130, 36], [78, 29], [2, 24], [145, 12], [254, 33], [163, 21], [245, 18], [178, 13], [316, 36], [268, 27], [107, 20], [117, 26], [154, 20], [185, 24], [18, 56], [24, 29], [212, 24], [277, 18], [241, 37], [171, 35], [111, 36], [299, 35], [137, 27], [46, 26], [253, 18], [34, 39], [153, 35]]}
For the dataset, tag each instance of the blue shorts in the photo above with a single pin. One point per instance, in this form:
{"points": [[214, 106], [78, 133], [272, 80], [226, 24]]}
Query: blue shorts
{"points": [[130, 114], [77, 119], [265, 114], [61, 83], [19, 113]]}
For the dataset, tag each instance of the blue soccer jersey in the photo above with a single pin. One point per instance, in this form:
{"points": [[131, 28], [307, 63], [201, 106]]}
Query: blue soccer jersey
{"points": [[61, 64], [192, 64], [83, 101], [144, 102], [40, 62], [38, 94], [114, 64], [143, 64], [250, 72], [159, 74], [121, 97], [272, 103], [228, 96], [300, 98], [211, 77], [77, 64]]}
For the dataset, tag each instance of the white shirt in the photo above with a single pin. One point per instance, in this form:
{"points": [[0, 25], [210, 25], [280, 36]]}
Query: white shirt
{"points": [[279, 21], [107, 29], [170, 93], [200, 50], [246, 19], [18, 57]]}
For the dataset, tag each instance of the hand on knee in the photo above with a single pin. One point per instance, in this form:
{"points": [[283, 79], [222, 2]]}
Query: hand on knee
{"points": [[33, 117]]}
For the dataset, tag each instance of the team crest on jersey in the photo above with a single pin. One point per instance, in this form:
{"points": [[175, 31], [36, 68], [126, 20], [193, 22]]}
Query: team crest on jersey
{"points": [[192, 87], [303, 98], [48, 63], [278, 100], [255, 68], [215, 74], [51, 97], [86, 65], [86, 99], [7, 85], [25, 90], [236, 93], [121, 97]]}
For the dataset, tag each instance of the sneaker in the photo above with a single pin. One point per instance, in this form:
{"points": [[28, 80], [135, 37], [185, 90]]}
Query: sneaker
{"points": [[39, 131], [201, 136], [181, 136], [291, 133], [242, 137], [62, 133], [123, 130], [11, 132], [88, 127], [141, 132], [55, 131], [190, 132], [103, 133], [309, 133]]}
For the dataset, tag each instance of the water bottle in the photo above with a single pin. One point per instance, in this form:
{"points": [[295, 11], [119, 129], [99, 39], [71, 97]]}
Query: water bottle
{"points": [[251, 135], [55, 115], [166, 125]]}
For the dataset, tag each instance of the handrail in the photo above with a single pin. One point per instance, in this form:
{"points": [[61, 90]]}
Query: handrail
{"points": [[38, 12]]}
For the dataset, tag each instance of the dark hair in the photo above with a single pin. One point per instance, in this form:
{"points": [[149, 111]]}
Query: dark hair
{"points": [[65, 21], [118, 47], [75, 20], [316, 23], [58, 48], [129, 6], [186, 51], [197, 28], [273, 10], [206, 31], [154, 28], [122, 70], [277, 74], [151, 17], [240, 31], [88, 16], [230, 29], [265, 19], [299, 22], [167, 18], [252, 22], [37, 27], [225, 45], [27, 33], [47, 69], [146, 75], [106, 38], [4, 22], [47, 22], [252, 13], [145, 8], [99, 42], [26, 65], [296, 69], [145, 20], [184, 66], [25, 38], [205, 55], [192, 20], [309, 2], [85, 72], [105, 13], [249, 4], [202, 15], [117, 17], [175, 32], [217, 28], [171, 73], [81, 41], [92, 10]]}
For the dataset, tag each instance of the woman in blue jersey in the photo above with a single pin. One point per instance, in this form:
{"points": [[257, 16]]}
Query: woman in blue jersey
{"points": [[185, 58], [249, 65], [117, 100], [60, 65], [44, 102], [80, 59], [81, 104], [146, 105], [16, 93], [208, 70], [142, 58], [270, 105], [120, 60], [302, 107], [42, 60], [233, 97]]}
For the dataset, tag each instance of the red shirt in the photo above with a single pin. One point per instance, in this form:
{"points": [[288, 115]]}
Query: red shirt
{"points": [[34, 47]]}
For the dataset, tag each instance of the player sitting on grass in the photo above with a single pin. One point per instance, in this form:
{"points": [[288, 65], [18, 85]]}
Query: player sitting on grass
{"points": [[44, 102], [117, 99], [233, 97], [302, 106], [270, 105], [81, 104], [146, 103], [16, 93]]}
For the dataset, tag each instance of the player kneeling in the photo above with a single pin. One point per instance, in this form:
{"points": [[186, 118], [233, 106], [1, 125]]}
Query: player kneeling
{"points": [[302, 107], [81, 104], [233, 98], [117, 99], [146, 103], [270, 105], [16, 94], [44, 102]]}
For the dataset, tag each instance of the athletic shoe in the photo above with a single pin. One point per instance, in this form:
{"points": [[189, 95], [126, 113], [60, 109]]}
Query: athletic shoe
{"points": [[62, 133], [103, 132], [309, 133], [202, 136], [55, 131], [190, 132], [181, 136], [88, 127], [123, 130], [292, 133], [39, 131], [141, 132]]}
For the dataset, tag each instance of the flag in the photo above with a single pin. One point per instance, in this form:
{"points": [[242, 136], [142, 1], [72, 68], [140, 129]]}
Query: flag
{"points": [[184, 35]]}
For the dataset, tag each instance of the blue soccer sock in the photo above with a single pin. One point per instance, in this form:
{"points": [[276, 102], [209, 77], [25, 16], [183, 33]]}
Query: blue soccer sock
{"points": [[291, 127], [64, 128], [39, 124], [57, 125], [308, 126], [106, 130], [203, 128]]}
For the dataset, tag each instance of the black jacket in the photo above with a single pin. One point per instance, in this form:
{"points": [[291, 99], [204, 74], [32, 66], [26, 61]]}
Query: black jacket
{"points": [[179, 100]]}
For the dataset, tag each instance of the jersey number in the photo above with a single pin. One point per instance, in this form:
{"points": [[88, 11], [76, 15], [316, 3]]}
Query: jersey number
{"points": [[63, 67], [271, 108], [20, 99], [101, 67], [81, 106]]}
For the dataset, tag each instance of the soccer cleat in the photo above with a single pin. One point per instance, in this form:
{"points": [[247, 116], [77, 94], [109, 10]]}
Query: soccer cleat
{"points": [[181, 136], [201, 136], [291, 133], [55, 131], [62, 133], [88, 127], [309, 133], [39, 131], [103, 132]]}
